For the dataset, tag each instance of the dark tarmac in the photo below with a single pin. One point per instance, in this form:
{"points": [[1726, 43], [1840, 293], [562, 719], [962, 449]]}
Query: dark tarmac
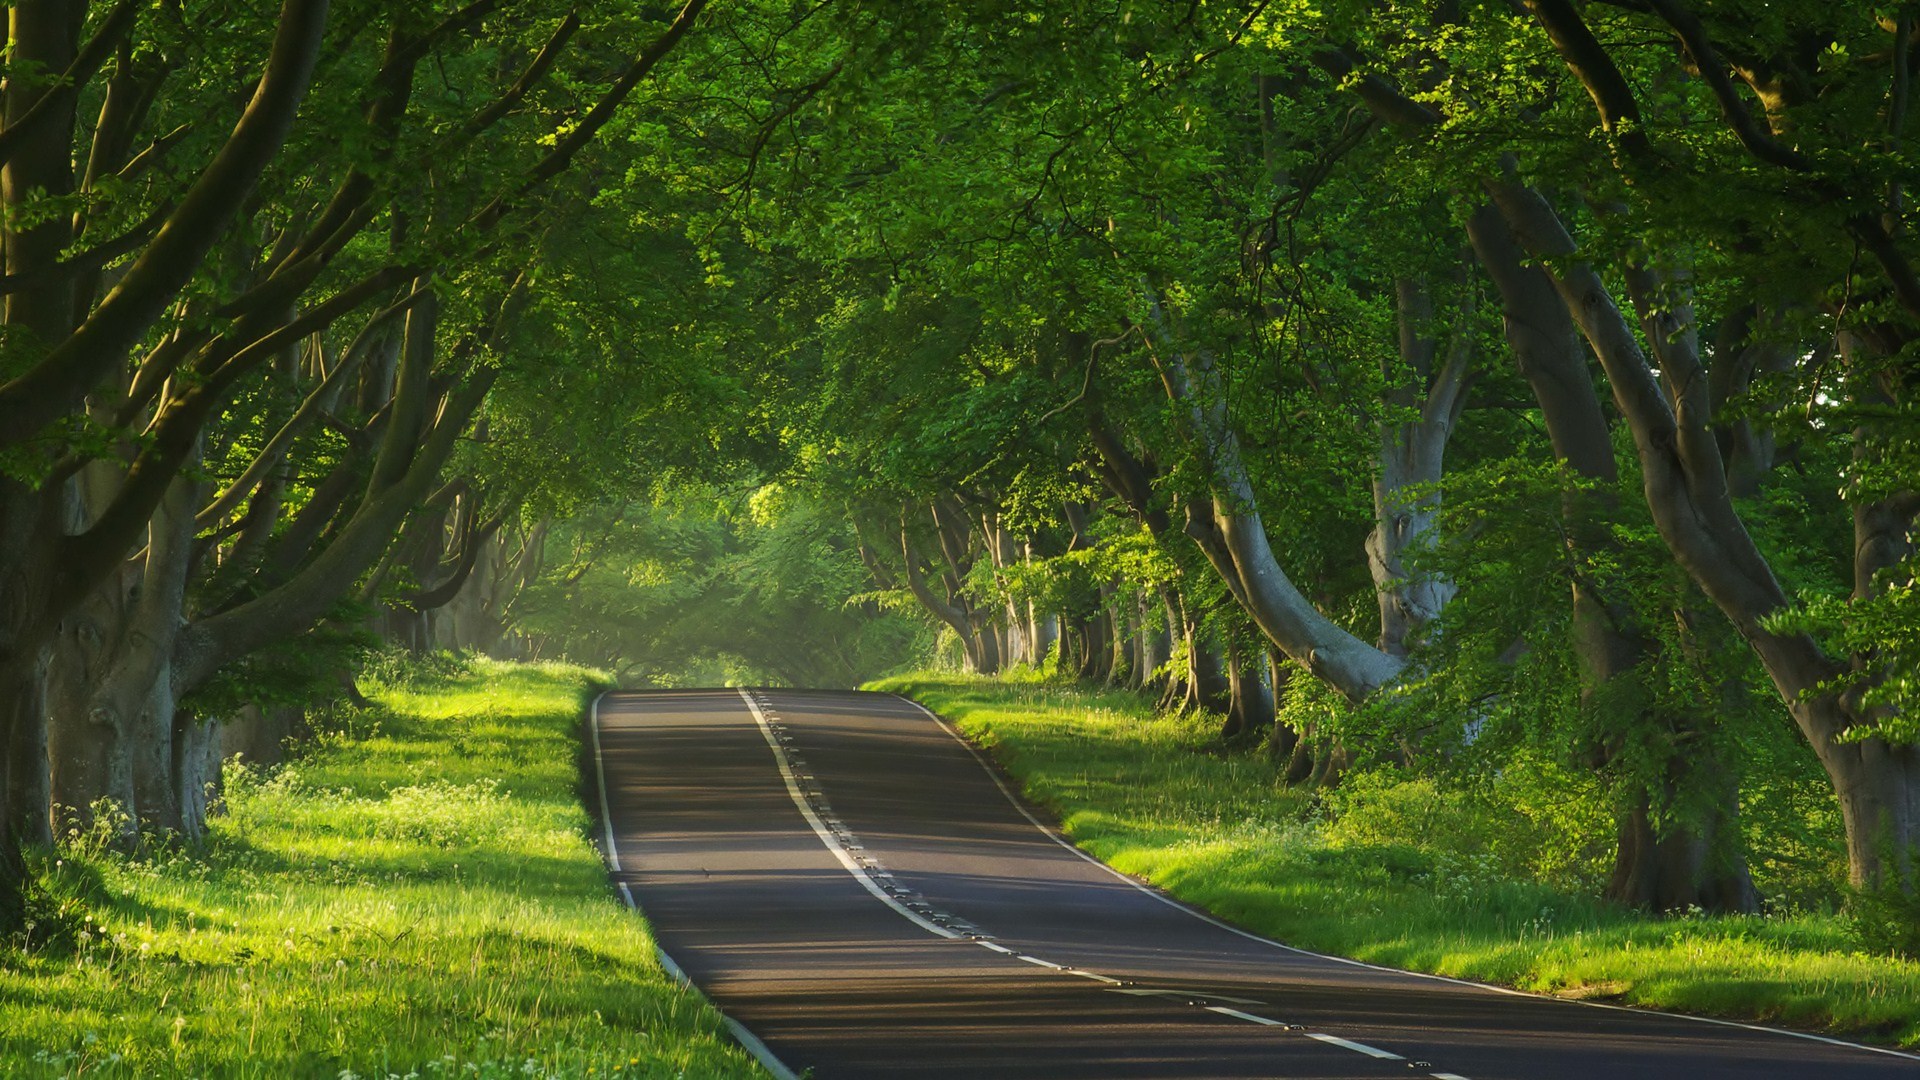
{"points": [[914, 921]]}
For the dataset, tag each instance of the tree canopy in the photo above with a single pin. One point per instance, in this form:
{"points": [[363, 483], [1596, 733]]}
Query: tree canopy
{"points": [[1440, 384]]}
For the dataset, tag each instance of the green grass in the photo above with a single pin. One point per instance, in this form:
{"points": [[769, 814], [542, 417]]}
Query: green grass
{"points": [[1157, 797], [415, 897]]}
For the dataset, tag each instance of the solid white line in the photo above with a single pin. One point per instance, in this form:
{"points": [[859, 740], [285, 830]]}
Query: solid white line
{"points": [[1037, 962], [1359, 1048], [600, 771], [1094, 976], [1238, 1015], [1446, 1076], [1751, 1027], [758, 1049], [747, 1039], [994, 775], [826, 837], [1192, 996]]}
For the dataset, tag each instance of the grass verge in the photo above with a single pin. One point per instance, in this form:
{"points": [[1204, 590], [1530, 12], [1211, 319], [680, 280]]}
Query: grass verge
{"points": [[1156, 797], [413, 898]]}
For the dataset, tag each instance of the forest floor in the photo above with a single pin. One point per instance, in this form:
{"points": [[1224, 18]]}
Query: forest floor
{"points": [[1160, 798], [414, 896]]}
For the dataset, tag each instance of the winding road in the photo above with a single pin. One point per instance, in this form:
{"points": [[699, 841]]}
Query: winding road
{"points": [[863, 897]]}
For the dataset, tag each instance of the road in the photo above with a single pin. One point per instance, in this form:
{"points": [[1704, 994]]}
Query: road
{"points": [[855, 887]]}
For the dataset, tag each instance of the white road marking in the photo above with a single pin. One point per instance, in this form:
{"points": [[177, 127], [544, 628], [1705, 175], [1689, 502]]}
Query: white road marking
{"points": [[1187, 995], [1238, 1015], [1446, 1076], [994, 775], [1358, 1048], [759, 1049], [600, 770], [747, 1039], [860, 873]]}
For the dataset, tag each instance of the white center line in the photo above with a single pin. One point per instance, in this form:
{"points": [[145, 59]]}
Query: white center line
{"points": [[1361, 1048], [839, 848], [1247, 1016], [826, 836]]}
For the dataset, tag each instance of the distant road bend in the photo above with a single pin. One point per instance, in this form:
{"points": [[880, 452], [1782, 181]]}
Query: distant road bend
{"points": [[853, 886]]}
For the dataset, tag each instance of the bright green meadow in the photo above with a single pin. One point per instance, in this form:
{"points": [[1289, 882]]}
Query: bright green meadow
{"points": [[414, 896], [1390, 872]]}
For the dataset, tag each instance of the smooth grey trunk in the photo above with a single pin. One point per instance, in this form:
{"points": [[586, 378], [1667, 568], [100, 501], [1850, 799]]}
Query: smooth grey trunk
{"points": [[1697, 859], [1285, 737], [113, 700], [1153, 645], [977, 642], [1669, 410], [1209, 682], [1424, 397], [1250, 699], [1287, 618]]}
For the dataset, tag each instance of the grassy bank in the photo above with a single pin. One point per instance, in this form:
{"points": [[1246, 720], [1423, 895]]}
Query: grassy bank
{"points": [[1374, 877], [415, 897]]}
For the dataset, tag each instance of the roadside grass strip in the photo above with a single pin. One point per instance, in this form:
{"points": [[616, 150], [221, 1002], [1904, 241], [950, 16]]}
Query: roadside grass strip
{"points": [[1158, 797], [414, 897]]}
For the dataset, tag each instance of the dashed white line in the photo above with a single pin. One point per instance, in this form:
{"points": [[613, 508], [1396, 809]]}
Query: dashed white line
{"points": [[1247, 1016], [826, 836], [853, 865], [1192, 997], [1356, 1047]]}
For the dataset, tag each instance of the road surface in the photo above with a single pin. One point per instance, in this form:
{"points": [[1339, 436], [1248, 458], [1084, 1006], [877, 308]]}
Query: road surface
{"points": [[854, 887]]}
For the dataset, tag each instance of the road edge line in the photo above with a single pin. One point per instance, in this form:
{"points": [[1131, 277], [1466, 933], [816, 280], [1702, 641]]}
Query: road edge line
{"points": [[994, 774], [748, 1040]]}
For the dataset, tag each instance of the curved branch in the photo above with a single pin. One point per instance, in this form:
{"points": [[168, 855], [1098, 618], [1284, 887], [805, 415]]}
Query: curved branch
{"points": [[60, 382]]}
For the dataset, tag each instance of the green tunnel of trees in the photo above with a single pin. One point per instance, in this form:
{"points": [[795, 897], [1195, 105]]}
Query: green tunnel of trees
{"points": [[1433, 382]]}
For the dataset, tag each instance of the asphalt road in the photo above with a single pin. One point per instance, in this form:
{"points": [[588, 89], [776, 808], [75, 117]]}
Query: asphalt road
{"points": [[854, 886]]}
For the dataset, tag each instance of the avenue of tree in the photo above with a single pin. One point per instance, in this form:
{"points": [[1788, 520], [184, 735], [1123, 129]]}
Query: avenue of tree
{"points": [[1438, 383]]}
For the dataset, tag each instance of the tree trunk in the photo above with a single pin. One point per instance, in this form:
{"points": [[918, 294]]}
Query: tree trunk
{"points": [[1250, 700], [1426, 398], [29, 791], [1283, 614], [1697, 862], [112, 678], [1152, 648], [1669, 412], [1283, 740], [1651, 871], [1208, 671]]}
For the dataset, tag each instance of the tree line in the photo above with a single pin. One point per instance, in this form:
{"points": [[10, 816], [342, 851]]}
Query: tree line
{"points": [[295, 296], [1524, 376], [1429, 383]]}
